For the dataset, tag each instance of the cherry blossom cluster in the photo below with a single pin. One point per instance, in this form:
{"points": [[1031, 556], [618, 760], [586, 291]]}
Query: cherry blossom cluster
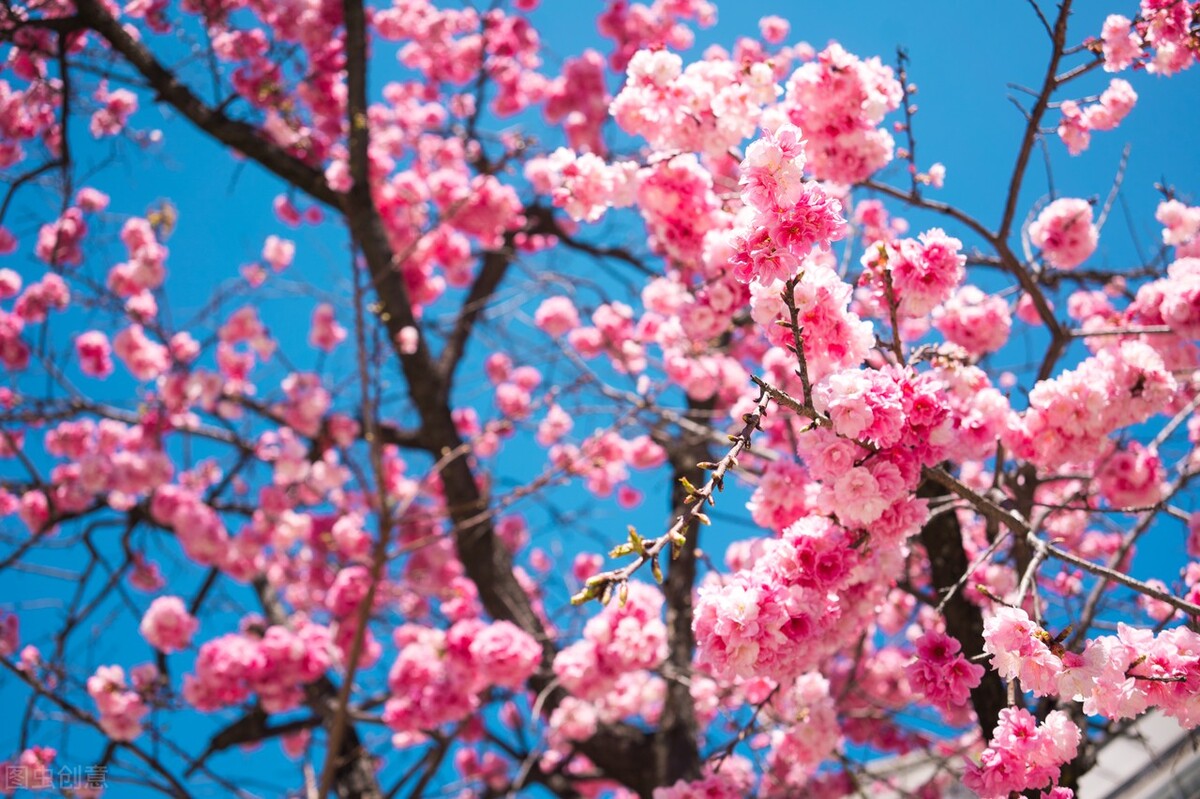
{"points": [[167, 624], [838, 100], [1181, 227], [634, 27], [115, 109], [977, 322], [121, 708], [1071, 416], [1116, 676], [915, 275], [803, 591], [1174, 300], [578, 100], [941, 673], [1133, 476], [1065, 233], [32, 306], [1024, 754], [438, 675], [1078, 123], [272, 662], [622, 638], [791, 216], [677, 200], [105, 460], [709, 107], [1162, 26], [808, 734], [979, 412], [583, 185], [731, 779], [806, 593]]}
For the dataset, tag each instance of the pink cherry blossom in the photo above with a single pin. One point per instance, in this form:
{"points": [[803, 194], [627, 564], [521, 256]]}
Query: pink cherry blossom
{"points": [[167, 624], [1065, 233]]}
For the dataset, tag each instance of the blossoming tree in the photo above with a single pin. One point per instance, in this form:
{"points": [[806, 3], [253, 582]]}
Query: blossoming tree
{"points": [[311, 548]]}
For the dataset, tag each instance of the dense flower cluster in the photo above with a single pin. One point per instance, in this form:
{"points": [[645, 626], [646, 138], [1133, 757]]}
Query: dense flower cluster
{"points": [[1164, 27], [977, 322], [914, 274], [1116, 676], [1070, 417], [1023, 754], [807, 593], [940, 671], [439, 674], [1078, 123], [707, 107], [167, 624], [623, 638], [274, 663], [791, 216], [121, 708], [838, 100], [732, 779], [1065, 233]]}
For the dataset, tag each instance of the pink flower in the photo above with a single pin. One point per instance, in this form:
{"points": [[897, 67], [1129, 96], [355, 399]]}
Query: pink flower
{"points": [[774, 29], [556, 316], [856, 496], [144, 358], [975, 321], [1070, 417], [1115, 104], [10, 638], [1181, 223], [583, 185], [278, 252], [116, 108], [727, 778], [10, 284], [773, 169], [505, 654], [121, 710], [91, 200], [554, 426], [739, 626], [1121, 47], [1065, 232], [838, 100], [286, 211], [1023, 755], [324, 331], [95, 354], [408, 339], [1077, 124], [48, 294], [941, 672], [167, 625], [59, 242], [1008, 636], [1132, 477]]}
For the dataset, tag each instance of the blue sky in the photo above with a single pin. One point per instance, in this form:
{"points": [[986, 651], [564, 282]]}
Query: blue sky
{"points": [[963, 58]]}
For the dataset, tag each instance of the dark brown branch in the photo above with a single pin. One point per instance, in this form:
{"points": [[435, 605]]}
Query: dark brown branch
{"points": [[1050, 83], [676, 755], [491, 273], [243, 137], [942, 538], [485, 558]]}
